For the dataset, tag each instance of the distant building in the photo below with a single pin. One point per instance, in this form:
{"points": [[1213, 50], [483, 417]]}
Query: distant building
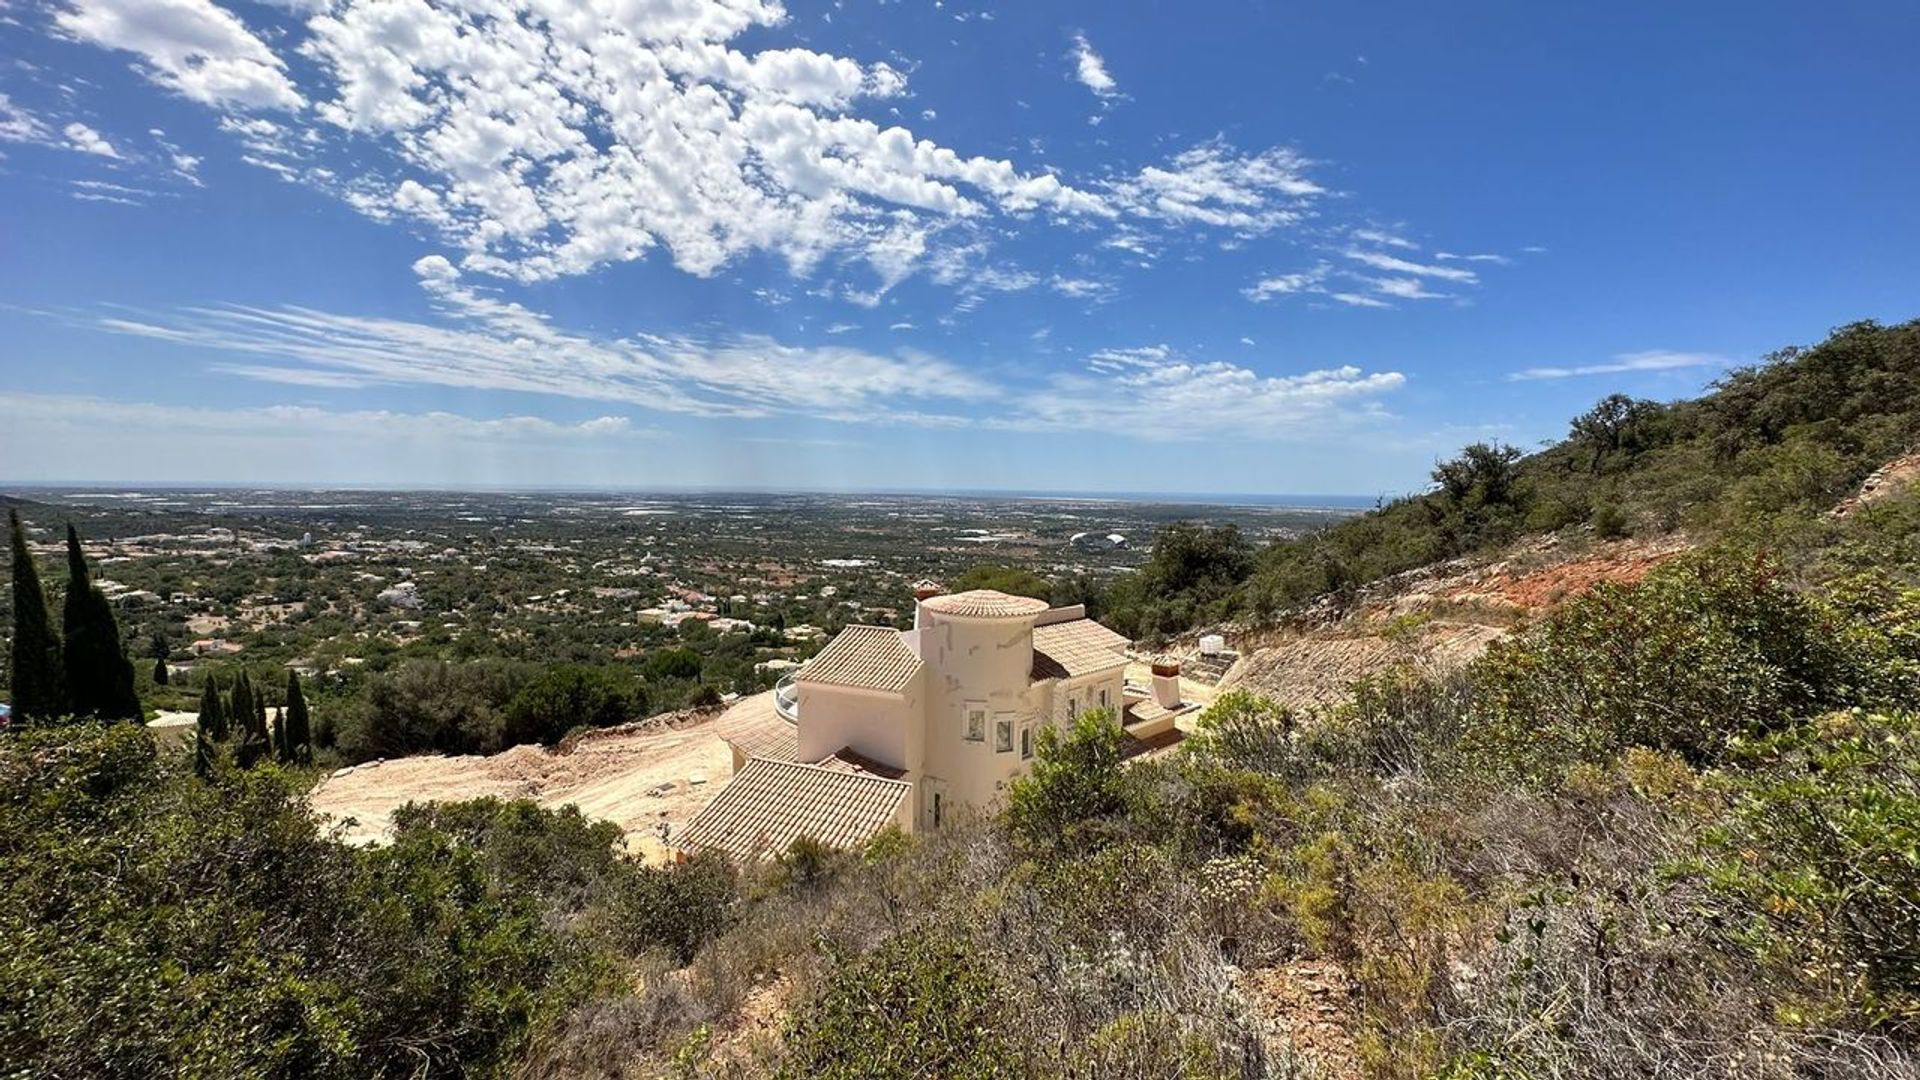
{"points": [[1088, 541], [909, 727]]}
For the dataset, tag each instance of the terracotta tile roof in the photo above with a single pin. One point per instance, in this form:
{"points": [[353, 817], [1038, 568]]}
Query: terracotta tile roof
{"points": [[1079, 647], [847, 759], [985, 604], [754, 729], [770, 804], [871, 657]]}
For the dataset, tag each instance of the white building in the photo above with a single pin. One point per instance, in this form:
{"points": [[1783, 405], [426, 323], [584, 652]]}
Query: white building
{"points": [[908, 727]]}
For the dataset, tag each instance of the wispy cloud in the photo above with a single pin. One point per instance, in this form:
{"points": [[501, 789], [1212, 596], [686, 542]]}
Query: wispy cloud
{"points": [[1654, 360], [1091, 70]]}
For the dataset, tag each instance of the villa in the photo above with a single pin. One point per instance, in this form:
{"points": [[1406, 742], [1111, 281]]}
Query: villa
{"points": [[907, 728]]}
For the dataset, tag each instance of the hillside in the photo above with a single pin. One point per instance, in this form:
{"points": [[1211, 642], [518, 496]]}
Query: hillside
{"points": [[1761, 457], [1628, 785]]}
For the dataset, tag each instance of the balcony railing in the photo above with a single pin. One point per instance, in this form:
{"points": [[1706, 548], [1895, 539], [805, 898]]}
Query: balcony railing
{"points": [[786, 699]]}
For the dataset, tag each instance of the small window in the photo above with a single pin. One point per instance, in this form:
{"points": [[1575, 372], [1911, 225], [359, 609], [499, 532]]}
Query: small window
{"points": [[1103, 697], [1073, 707], [1026, 743], [976, 723], [1003, 736]]}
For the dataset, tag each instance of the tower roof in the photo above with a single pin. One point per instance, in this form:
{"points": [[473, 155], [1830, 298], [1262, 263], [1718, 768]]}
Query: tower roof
{"points": [[985, 604]]}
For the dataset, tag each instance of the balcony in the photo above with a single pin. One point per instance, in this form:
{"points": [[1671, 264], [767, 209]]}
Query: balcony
{"points": [[786, 699]]}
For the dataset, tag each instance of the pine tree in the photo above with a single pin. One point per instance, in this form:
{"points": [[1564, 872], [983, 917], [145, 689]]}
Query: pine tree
{"points": [[34, 668], [213, 714], [299, 725], [99, 676]]}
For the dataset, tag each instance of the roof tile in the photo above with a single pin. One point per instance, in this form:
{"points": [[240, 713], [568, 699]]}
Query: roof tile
{"points": [[770, 804]]}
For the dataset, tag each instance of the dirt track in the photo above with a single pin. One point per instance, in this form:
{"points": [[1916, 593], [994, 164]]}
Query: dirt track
{"points": [[635, 777]]}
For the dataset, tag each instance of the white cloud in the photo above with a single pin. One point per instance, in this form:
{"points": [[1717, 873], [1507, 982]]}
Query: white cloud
{"points": [[1310, 280], [1091, 70], [1653, 360], [1448, 256], [1352, 299], [1211, 184], [88, 141], [19, 125], [1385, 239], [1406, 289], [1382, 261], [495, 344], [1079, 288], [299, 420], [193, 47], [1152, 392]]}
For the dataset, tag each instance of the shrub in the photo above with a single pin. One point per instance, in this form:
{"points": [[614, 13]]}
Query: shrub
{"points": [[566, 697], [1075, 781], [1823, 849], [919, 1005], [677, 908]]}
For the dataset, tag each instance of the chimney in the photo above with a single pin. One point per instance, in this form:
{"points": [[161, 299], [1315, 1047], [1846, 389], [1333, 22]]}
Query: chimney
{"points": [[923, 591], [1166, 682]]}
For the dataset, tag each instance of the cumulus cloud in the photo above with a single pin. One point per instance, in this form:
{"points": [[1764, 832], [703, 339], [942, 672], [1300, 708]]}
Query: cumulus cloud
{"points": [[194, 47], [1653, 360], [88, 141], [539, 139]]}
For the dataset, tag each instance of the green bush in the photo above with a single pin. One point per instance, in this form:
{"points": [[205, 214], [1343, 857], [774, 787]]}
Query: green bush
{"points": [[1074, 783], [918, 1005], [1823, 852]]}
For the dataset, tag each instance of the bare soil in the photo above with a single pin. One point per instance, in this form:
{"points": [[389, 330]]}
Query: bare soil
{"points": [[638, 776]]}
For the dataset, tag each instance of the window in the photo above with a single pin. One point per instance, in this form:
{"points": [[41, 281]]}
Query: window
{"points": [[1073, 707], [1026, 743], [976, 722], [1003, 736], [1103, 697]]}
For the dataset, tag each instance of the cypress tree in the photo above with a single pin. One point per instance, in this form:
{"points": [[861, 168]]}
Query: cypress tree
{"points": [[240, 707], [213, 715], [99, 675], [299, 725], [202, 753], [34, 668], [282, 752], [160, 675]]}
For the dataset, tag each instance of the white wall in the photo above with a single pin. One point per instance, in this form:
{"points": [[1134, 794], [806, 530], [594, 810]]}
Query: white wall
{"points": [[885, 727]]}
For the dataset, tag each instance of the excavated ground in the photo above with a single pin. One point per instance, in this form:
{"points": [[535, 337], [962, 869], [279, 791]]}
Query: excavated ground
{"points": [[639, 776], [1437, 618]]}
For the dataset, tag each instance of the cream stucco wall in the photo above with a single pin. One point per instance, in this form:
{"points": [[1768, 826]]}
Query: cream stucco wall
{"points": [[884, 726], [986, 662]]}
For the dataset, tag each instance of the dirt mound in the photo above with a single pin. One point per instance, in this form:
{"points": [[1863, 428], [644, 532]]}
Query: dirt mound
{"points": [[1436, 618], [1886, 481], [638, 776], [1320, 668]]}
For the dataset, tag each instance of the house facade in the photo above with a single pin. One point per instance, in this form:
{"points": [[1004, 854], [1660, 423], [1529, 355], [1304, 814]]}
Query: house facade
{"points": [[948, 713]]}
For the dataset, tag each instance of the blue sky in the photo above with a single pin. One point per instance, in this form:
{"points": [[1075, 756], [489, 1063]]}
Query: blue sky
{"points": [[1302, 247]]}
